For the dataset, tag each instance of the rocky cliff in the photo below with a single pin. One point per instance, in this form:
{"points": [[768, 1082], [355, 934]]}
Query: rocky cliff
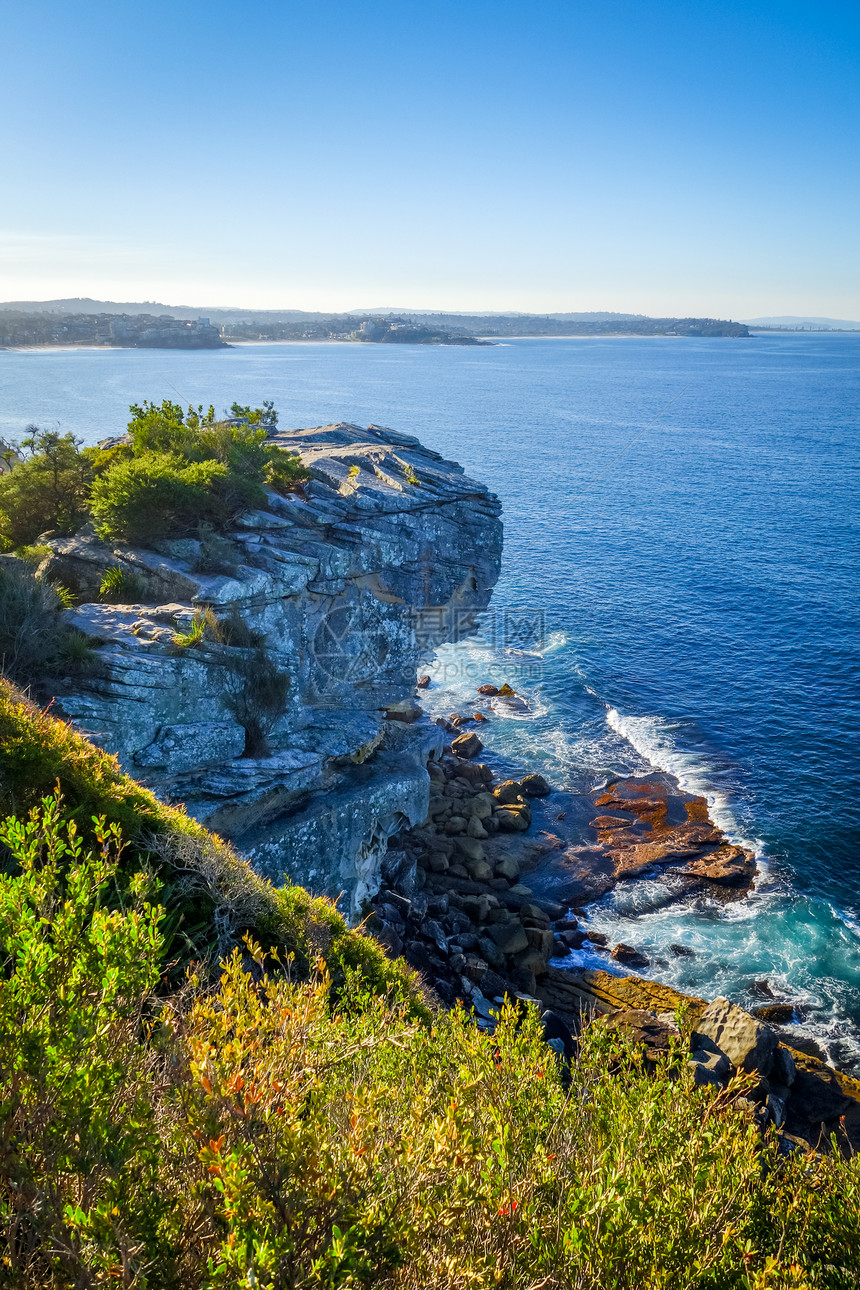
{"points": [[266, 677]]}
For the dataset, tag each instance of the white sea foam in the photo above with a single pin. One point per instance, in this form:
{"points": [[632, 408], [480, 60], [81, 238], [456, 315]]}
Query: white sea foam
{"points": [[654, 738]]}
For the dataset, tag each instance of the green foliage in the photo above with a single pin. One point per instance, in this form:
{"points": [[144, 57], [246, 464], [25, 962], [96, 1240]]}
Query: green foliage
{"points": [[76, 1110], [75, 651], [303, 1124], [30, 628], [182, 469], [160, 495], [122, 586], [32, 555], [188, 470], [255, 692], [204, 626], [204, 881], [265, 416], [46, 491], [278, 1134]]}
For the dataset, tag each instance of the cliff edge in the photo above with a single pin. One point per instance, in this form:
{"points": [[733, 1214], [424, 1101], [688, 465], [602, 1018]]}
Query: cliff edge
{"points": [[266, 677]]}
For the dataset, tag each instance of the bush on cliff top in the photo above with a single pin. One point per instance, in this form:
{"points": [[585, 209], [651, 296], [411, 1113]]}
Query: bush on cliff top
{"points": [[268, 1134], [181, 468]]}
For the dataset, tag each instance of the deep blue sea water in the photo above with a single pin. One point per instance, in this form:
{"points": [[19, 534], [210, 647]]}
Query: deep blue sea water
{"points": [[693, 580]]}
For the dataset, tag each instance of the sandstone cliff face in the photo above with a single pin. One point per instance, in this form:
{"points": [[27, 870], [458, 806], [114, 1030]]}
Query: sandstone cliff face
{"points": [[324, 606]]}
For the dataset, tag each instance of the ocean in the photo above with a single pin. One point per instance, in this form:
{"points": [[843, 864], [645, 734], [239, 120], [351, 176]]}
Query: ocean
{"points": [[679, 591]]}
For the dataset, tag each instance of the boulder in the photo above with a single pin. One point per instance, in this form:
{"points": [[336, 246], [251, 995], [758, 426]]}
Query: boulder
{"points": [[779, 1014], [535, 786], [488, 690], [468, 745], [508, 867], [783, 1069], [471, 848], [510, 937], [712, 1060], [511, 820], [540, 938], [423, 683], [509, 793], [532, 960], [627, 954], [748, 1044], [816, 1094]]}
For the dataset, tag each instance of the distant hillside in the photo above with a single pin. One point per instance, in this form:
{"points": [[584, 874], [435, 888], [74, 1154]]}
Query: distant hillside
{"points": [[376, 326], [791, 322]]}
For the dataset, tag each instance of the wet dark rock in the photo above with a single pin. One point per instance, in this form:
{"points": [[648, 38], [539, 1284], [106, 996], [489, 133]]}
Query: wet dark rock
{"points": [[628, 955], [761, 989], [468, 745], [815, 1093], [597, 938], [777, 1014], [682, 951], [423, 683], [490, 690], [535, 786], [644, 1027]]}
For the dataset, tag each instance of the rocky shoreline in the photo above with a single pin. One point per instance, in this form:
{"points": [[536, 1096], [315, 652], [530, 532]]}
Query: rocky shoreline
{"points": [[486, 900]]}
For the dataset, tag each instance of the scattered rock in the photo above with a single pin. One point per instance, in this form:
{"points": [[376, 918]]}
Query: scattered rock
{"points": [[683, 951], [535, 786], [643, 1026], [597, 938], [779, 1014], [488, 690], [509, 937], [468, 745], [783, 1068], [712, 1060], [423, 683], [816, 1094], [628, 955], [506, 691]]}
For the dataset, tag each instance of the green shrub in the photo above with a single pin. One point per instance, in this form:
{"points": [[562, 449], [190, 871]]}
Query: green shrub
{"points": [[255, 692], [160, 495], [179, 471], [122, 586], [203, 879], [46, 491], [30, 628], [79, 1185]]}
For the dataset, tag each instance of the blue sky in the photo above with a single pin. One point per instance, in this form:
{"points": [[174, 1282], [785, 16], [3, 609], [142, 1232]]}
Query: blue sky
{"points": [[554, 155]]}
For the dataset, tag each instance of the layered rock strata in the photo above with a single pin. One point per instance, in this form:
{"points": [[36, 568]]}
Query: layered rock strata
{"points": [[266, 677]]}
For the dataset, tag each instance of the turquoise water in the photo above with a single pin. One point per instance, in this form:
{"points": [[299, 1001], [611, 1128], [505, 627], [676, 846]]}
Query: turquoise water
{"points": [[696, 576]]}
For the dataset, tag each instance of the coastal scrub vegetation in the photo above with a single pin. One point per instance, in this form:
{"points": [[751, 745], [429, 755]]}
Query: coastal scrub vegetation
{"points": [[298, 1118], [34, 640], [177, 469]]}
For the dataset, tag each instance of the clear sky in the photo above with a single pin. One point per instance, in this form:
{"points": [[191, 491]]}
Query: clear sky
{"points": [[671, 157]]}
